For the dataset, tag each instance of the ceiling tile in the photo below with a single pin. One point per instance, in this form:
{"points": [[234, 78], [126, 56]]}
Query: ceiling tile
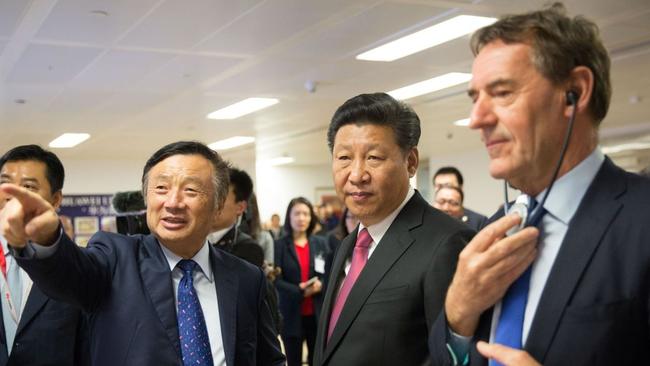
{"points": [[120, 69], [45, 64], [267, 25], [74, 20], [11, 12], [176, 25]]}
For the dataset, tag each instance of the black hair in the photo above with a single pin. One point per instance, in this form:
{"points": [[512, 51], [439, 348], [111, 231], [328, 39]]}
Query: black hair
{"points": [[54, 171], [220, 178], [287, 217], [450, 170], [378, 109]]}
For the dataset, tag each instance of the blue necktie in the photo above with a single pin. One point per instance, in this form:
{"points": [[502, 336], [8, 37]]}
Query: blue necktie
{"points": [[195, 344], [513, 305]]}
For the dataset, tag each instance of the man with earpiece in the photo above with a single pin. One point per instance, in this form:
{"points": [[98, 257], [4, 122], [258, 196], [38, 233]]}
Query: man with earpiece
{"points": [[565, 279]]}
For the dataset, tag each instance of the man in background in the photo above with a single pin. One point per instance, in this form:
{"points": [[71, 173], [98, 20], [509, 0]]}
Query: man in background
{"points": [[31, 320], [450, 176], [226, 233], [449, 199]]}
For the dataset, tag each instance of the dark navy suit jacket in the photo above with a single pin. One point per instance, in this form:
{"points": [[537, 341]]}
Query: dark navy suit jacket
{"points": [[49, 333], [595, 306], [125, 284]]}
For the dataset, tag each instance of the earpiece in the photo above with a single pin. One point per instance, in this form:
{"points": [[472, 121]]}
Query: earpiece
{"points": [[571, 98]]}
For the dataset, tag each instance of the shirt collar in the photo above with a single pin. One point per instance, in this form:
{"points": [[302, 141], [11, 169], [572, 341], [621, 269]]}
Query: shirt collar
{"points": [[568, 190], [202, 258], [215, 236], [378, 230]]}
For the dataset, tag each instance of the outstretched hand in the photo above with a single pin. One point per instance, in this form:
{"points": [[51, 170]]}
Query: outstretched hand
{"points": [[27, 217]]}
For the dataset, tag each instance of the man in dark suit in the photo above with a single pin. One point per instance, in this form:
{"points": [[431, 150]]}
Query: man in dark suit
{"points": [[450, 176], [168, 298], [36, 330], [226, 232], [449, 199], [389, 277], [573, 287]]}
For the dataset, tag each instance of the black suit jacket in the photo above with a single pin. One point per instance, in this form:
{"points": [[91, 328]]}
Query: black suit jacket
{"points": [[398, 294], [49, 333], [125, 284], [595, 307], [474, 220], [290, 295]]}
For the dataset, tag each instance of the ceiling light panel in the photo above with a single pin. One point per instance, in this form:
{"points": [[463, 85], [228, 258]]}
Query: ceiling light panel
{"points": [[426, 38]]}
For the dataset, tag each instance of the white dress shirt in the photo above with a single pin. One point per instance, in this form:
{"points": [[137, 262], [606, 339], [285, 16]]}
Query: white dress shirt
{"points": [[206, 291], [561, 205], [378, 230]]}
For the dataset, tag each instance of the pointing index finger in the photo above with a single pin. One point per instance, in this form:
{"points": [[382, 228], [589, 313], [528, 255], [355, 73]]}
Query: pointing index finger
{"points": [[496, 230]]}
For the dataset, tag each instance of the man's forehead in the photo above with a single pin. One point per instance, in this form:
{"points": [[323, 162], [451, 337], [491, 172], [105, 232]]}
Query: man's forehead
{"points": [[32, 169], [446, 178]]}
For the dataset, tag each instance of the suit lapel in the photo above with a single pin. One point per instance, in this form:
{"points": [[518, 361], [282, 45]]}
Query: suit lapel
{"points": [[396, 240], [35, 302], [336, 274], [227, 287], [597, 210], [157, 281]]}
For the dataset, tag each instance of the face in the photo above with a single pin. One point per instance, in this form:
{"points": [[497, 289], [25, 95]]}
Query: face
{"points": [[448, 201], [230, 211], [519, 112], [371, 173], [180, 202], [275, 221], [29, 174], [299, 217], [445, 180]]}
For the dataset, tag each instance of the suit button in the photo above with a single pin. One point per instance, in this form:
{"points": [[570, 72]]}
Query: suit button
{"points": [[16, 345]]}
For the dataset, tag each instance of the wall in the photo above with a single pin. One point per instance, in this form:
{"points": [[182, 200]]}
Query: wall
{"points": [[277, 185]]}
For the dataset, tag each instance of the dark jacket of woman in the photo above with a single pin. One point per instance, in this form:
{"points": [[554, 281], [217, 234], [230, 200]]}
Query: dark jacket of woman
{"points": [[287, 282]]}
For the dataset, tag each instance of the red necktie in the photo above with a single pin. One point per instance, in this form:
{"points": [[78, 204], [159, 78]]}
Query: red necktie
{"points": [[359, 259], [3, 261]]}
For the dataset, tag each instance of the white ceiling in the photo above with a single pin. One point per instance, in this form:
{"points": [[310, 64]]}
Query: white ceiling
{"points": [[139, 74]]}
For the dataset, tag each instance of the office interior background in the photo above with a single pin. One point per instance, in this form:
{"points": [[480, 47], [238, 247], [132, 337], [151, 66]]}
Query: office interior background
{"points": [[136, 75]]}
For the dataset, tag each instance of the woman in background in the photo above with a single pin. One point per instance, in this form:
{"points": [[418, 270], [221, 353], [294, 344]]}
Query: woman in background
{"points": [[302, 258], [345, 226]]}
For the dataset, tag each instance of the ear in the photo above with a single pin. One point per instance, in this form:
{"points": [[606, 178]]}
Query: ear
{"points": [[57, 198], [241, 207], [412, 160], [582, 83]]}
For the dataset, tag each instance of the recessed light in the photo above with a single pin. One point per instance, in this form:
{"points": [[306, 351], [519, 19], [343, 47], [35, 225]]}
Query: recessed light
{"points": [[231, 142], [68, 140], [462, 122], [20, 101], [242, 108], [426, 38], [431, 85], [102, 13]]}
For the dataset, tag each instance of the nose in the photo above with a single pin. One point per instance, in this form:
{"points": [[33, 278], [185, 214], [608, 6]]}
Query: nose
{"points": [[174, 199], [482, 114], [358, 172]]}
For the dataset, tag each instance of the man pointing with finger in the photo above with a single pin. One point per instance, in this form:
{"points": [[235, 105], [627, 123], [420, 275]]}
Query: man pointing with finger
{"points": [[573, 287], [168, 298]]}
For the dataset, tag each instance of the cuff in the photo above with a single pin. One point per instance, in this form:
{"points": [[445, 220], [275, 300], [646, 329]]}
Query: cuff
{"points": [[458, 347]]}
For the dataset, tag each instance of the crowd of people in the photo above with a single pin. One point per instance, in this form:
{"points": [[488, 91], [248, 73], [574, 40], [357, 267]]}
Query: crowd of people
{"points": [[559, 276]]}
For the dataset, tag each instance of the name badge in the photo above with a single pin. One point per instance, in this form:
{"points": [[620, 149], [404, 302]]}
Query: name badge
{"points": [[319, 264]]}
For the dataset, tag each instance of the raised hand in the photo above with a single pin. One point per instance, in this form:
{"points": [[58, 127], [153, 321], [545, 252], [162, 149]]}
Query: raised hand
{"points": [[27, 216], [486, 268]]}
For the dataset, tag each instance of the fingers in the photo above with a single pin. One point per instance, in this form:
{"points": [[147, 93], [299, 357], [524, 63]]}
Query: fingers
{"points": [[505, 355], [496, 230], [27, 216], [510, 250]]}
